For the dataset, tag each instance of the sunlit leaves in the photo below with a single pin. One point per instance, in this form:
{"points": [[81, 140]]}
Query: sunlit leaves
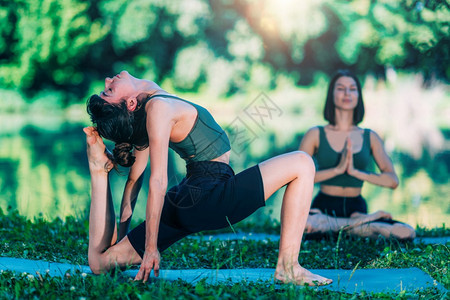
{"points": [[391, 51], [243, 43], [68, 44], [398, 32], [194, 16], [190, 63], [47, 34], [136, 23], [350, 42], [301, 20]]}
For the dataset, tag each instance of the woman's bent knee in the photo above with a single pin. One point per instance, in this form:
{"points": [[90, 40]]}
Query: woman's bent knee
{"points": [[95, 266], [306, 163], [403, 231], [96, 263]]}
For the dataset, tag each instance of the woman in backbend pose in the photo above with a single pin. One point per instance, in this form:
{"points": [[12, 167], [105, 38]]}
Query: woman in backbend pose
{"points": [[342, 151], [144, 121]]}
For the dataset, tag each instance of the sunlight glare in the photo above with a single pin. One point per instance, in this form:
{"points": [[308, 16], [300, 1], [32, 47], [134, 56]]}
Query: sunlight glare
{"points": [[293, 17]]}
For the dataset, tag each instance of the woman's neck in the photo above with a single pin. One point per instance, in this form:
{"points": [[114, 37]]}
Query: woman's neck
{"points": [[148, 87], [343, 120]]}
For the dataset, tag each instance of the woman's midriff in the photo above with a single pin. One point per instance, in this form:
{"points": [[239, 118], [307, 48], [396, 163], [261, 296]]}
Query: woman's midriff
{"points": [[225, 158], [340, 191]]}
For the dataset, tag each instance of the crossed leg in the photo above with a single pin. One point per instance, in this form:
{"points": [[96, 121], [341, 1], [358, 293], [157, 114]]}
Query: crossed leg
{"points": [[374, 229], [360, 224], [103, 253], [296, 170]]}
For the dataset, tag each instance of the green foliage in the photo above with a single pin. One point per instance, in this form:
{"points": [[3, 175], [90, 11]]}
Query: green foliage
{"points": [[69, 45], [46, 40], [53, 241], [435, 232], [409, 35]]}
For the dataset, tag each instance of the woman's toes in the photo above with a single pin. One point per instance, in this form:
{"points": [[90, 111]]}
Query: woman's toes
{"points": [[99, 156], [302, 277]]}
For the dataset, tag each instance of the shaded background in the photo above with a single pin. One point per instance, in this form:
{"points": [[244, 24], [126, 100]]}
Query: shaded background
{"points": [[232, 56]]}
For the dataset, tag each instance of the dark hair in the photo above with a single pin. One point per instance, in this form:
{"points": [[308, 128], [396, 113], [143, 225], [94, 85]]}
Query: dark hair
{"points": [[116, 123], [329, 110]]}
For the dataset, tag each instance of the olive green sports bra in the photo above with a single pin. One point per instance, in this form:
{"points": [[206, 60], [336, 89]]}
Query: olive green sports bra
{"points": [[327, 158], [206, 140]]}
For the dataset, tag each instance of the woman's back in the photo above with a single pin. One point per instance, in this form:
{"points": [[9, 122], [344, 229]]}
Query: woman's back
{"points": [[205, 141]]}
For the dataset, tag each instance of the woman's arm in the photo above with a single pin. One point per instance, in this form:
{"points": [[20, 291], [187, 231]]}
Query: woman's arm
{"points": [[387, 177], [160, 121], [131, 191], [310, 143]]}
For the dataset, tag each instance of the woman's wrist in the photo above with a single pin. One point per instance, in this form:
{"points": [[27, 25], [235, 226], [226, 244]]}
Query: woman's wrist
{"points": [[338, 171], [359, 174], [151, 241], [151, 248]]}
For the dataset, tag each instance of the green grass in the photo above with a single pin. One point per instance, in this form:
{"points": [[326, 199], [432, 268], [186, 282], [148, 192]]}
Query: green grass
{"points": [[67, 242], [76, 286], [435, 232]]}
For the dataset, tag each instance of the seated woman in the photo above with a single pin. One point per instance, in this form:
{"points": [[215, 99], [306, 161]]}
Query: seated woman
{"points": [[342, 151], [144, 121]]}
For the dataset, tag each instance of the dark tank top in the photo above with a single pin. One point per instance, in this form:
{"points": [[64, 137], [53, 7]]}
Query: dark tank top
{"points": [[327, 158], [206, 140]]}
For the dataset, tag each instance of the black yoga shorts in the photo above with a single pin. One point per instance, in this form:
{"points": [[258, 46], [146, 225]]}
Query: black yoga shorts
{"points": [[210, 197], [339, 206]]}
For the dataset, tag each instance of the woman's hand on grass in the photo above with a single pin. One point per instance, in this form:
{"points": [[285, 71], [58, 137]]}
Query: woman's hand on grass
{"points": [[150, 261]]}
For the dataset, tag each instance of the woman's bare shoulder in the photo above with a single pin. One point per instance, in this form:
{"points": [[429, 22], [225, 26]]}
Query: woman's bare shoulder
{"points": [[158, 105], [310, 140], [373, 134], [375, 139], [312, 133]]}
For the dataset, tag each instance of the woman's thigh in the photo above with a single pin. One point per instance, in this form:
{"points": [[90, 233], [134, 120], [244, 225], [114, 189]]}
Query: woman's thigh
{"points": [[280, 170]]}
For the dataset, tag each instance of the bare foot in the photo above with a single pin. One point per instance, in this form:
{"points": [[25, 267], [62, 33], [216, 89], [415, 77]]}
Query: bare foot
{"points": [[300, 276], [318, 222], [96, 151]]}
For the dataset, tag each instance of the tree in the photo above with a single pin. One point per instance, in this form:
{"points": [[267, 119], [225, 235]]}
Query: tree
{"points": [[43, 43], [68, 44]]}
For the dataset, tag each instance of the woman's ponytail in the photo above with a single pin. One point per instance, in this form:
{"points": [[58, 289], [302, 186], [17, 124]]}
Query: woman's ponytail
{"points": [[123, 154]]}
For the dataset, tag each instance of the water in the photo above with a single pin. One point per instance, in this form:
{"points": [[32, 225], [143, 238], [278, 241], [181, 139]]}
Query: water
{"points": [[44, 172]]}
